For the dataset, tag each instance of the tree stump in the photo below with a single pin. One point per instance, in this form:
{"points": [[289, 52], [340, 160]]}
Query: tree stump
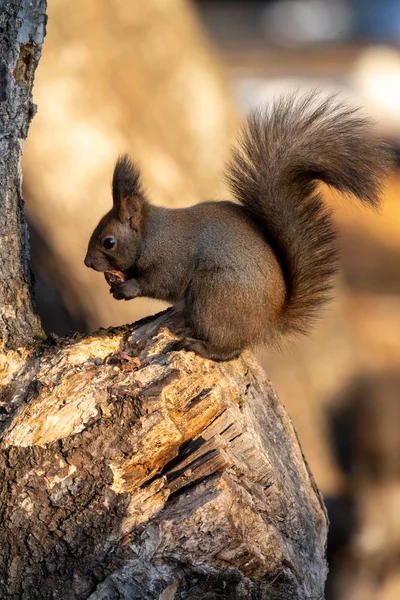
{"points": [[131, 472]]}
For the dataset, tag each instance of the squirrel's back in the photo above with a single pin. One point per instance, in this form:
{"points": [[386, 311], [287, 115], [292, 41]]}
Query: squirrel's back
{"points": [[282, 153]]}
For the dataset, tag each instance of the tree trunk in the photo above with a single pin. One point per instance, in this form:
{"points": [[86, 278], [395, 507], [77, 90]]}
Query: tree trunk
{"points": [[22, 29], [126, 471]]}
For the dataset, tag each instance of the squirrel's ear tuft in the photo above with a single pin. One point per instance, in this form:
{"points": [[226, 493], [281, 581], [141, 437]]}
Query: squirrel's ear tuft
{"points": [[126, 180], [127, 191]]}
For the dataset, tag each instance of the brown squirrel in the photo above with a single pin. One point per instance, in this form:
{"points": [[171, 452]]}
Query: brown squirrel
{"points": [[244, 274]]}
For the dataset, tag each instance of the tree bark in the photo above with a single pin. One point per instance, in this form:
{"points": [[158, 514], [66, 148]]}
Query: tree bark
{"points": [[130, 473], [127, 471], [22, 29]]}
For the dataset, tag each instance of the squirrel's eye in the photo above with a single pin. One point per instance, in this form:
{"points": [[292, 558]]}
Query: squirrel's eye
{"points": [[109, 243]]}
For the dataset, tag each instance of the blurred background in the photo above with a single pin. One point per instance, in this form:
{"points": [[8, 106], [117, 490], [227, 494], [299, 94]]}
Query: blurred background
{"points": [[168, 82]]}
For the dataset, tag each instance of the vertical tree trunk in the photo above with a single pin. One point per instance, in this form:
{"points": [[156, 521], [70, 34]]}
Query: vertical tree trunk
{"points": [[22, 29]]}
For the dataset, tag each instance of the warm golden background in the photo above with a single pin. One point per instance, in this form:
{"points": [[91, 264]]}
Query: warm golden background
{"points": [[167, 80]]}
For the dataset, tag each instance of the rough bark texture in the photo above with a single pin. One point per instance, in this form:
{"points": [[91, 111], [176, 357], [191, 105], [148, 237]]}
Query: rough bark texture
{"points": [[130, 473], [22, 29]]}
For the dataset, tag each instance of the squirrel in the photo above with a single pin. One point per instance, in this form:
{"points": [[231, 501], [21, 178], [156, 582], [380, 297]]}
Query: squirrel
{"points": [[247, 273]]}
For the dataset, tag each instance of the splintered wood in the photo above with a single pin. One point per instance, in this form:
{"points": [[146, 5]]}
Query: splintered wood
{"points": [[139, 471]]}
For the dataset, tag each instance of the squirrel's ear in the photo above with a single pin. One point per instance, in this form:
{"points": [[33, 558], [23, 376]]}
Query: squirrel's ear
{"points": [[130, 209], [127, 190]]}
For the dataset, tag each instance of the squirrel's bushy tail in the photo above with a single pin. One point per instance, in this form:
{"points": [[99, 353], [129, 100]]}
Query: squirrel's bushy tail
{"points": [[282, 153]]}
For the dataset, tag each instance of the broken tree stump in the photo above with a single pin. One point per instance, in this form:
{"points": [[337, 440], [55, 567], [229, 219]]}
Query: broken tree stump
{"points": [[131, 473]]}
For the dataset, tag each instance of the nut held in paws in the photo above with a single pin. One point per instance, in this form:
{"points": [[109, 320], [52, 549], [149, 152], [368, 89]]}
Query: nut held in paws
{"points": [[114, 278]]}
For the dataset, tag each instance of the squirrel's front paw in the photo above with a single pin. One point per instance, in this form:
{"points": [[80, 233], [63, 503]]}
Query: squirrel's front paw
{"points": [[126, 290]]}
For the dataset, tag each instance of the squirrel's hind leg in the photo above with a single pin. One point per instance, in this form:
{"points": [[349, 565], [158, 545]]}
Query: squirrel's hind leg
{"points": [[178, 322], [217, 322]]}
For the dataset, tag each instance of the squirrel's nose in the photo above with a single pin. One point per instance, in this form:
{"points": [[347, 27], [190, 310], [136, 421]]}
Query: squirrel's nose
{"points": [[88, 262]]}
